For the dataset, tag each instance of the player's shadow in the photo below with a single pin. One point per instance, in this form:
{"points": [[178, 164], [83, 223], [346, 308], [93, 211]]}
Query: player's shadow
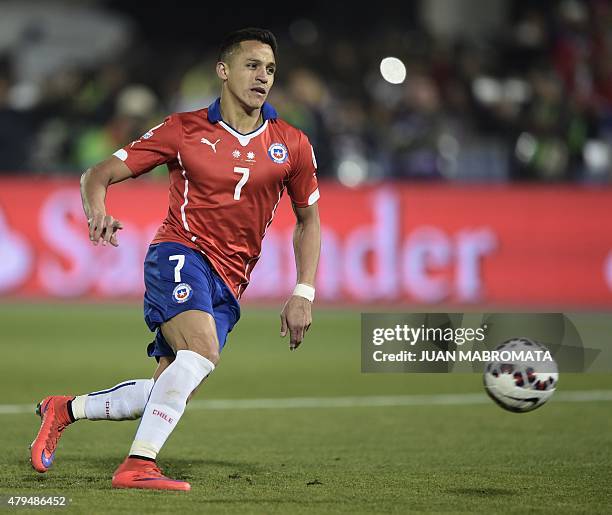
{"points": [[182, 465], [183, 462], [93, 470], [103, 462], [481, 492], [177, 466]]}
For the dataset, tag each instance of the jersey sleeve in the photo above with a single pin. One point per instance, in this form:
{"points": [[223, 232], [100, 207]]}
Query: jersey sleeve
{"points": [[157, 146], [302, 184]]}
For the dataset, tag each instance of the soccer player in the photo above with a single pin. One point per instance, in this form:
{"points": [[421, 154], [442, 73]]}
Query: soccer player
{"points": [[229, 165]]}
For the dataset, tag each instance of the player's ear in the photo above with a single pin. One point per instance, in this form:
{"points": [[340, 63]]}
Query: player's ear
{"points": [[222, 70]]}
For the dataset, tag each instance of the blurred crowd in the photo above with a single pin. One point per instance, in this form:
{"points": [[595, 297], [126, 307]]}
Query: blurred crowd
{"points": [[529, 98]]}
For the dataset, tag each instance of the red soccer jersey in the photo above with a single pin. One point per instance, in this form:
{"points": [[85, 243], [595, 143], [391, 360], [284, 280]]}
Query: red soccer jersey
{"points": [[225, 186]]}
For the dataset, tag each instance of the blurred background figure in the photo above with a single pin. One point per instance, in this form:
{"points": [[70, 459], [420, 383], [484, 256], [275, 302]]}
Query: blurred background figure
{"points": [[134, 111], [484, 90]]}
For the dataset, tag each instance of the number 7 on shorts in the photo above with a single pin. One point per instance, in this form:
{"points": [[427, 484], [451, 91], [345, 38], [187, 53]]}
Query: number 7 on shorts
{"points": [[180, 258]]}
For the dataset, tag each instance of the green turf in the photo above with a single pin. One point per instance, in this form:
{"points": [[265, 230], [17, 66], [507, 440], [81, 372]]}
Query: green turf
{"points": [[469, 458]]}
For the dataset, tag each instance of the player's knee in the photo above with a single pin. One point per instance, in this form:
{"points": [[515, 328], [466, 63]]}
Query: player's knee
{"points": [[205, 345], [194, 331], [211, 355]]}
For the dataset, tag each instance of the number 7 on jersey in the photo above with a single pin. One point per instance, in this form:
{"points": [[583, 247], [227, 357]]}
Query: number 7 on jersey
{"points": [[241, 182]]}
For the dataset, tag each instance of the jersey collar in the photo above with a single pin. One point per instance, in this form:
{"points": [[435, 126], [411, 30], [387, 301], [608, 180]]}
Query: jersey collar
{"points": [[214, 112]]}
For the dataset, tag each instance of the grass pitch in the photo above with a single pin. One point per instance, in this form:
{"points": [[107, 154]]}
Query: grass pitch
{"points": [[386, 459]]}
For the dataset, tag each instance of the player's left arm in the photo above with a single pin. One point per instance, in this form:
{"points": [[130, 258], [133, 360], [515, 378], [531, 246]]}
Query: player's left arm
{"points": [[296, 316]]}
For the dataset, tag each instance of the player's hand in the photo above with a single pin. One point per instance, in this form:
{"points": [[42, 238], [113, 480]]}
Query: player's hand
{"points": [[103, 229], [296, 318]]}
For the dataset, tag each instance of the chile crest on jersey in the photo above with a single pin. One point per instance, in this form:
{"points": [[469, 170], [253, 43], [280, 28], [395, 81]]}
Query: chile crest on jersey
{"points": [[278, 153]]}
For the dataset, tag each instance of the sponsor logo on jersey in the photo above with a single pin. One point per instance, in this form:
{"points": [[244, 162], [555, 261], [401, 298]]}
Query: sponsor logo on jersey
{"points": [[212, 145], [182, 293], [278, 153]]}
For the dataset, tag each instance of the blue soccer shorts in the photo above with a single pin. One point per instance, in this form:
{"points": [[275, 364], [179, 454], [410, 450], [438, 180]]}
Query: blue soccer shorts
{"points": [[177, 279]]}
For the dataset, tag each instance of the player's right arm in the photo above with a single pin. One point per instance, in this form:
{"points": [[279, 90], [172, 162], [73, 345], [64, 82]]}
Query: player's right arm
{"points": [[94, 183], [157, 146]]}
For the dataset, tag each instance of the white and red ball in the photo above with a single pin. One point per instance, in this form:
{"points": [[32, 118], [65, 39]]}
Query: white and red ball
{"points": [[521, 385]]}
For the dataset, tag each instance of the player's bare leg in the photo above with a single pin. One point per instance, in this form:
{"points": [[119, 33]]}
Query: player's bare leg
{"points": [[193, 337]]}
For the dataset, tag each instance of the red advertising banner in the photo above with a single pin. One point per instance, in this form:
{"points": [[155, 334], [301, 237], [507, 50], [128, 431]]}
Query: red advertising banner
{"points": [[506, 246]]}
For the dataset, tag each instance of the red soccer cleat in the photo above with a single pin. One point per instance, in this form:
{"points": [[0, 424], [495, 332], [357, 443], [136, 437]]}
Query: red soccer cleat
{"points": [[137, 473], [54, 416]]}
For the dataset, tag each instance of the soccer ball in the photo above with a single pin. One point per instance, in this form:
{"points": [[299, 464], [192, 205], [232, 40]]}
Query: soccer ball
{"points": [[521, 376]]}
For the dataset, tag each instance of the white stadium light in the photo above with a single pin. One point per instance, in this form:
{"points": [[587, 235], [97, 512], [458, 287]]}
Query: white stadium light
{"points": [[597, 156], [352, 170], [393, 70]]}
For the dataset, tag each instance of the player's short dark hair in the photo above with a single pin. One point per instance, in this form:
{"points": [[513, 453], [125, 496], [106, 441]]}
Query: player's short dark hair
{"points": [[233, 39]]}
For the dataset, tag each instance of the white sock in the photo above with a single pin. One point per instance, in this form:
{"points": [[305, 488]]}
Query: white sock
{"points": [[167, 401], [125, 401]]}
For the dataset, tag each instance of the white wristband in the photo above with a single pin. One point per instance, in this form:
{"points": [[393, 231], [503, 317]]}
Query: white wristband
{"points": [[304, 290]]}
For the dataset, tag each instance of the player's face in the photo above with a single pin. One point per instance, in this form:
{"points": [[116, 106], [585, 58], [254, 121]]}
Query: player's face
{"points": [[250, 73]]}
